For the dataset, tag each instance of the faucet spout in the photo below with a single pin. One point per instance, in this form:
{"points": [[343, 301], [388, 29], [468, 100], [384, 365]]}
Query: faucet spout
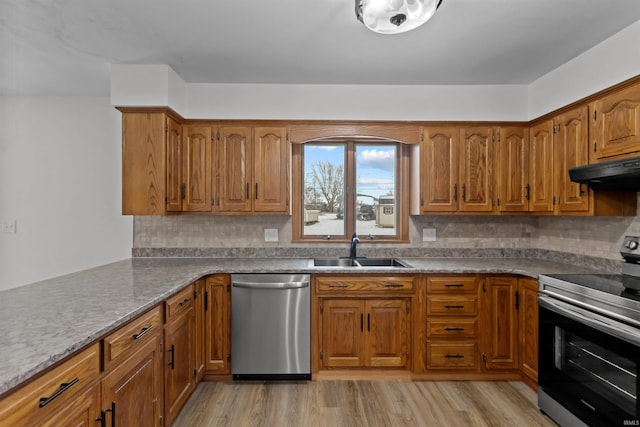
{"points": [[354, 241]]}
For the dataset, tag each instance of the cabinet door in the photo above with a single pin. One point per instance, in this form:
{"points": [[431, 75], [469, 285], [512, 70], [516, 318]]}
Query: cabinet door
{"points": [[513, 169], [234, 169], [271, 169], [615, 124], [199, 334], [501, 323], [143, 164], [174, 166], [476, 151], [541, 167], [217, 324], [179, 378], [387, 333], [197, 168], [342, 330], [570, 142], [439, 170], [528, 327], [133, 389]]}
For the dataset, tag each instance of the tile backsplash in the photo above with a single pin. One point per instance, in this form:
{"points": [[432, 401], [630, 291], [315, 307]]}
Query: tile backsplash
{"points": [[597, 237]]}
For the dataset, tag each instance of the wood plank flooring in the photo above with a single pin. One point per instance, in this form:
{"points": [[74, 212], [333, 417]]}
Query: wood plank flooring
{"points": [[362, 403]]}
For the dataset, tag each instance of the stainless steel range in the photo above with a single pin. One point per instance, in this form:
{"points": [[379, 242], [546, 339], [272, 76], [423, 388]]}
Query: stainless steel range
{"points": [[589, 349]]}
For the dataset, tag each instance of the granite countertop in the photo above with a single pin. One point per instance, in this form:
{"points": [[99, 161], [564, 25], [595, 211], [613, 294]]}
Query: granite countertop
{"points": [[42, 323]]}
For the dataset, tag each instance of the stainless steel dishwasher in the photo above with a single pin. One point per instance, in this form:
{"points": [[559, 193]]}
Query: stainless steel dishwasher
{"points": [[270, 327]]}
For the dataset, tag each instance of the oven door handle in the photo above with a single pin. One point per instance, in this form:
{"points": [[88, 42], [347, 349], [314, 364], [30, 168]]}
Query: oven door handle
{"points": [[609, 326]]}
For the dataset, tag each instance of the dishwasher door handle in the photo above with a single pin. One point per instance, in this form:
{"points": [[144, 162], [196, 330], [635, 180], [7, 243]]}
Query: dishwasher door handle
{"points": [[270, 285]]}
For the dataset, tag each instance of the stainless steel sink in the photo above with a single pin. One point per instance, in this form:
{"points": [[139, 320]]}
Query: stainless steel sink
{"points": [[359, 262], [381, 262], [334, 262]]}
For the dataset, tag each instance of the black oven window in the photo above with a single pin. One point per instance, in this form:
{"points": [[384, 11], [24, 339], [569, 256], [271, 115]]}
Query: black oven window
{"points": [[601, 369]]}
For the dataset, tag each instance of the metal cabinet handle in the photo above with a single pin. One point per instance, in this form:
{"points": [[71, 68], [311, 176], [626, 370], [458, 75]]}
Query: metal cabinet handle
{"points": [[527, 191], [393, 285], [185, 301], [454, 329], [453, 356], [453, 285], [455, 192], [368, 321], [103, 415], [142, 332], [171, 363], [247, 190], [464, 192], [63, 387], [454, 306], [256, 191], [361, 322]]}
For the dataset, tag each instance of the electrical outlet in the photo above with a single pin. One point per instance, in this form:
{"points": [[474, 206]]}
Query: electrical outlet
{"points": [[428, 234], [9, 226], [270, 234]]}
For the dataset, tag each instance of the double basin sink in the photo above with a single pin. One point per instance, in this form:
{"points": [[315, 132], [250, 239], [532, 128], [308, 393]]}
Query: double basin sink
{"points": [[360, 262]]}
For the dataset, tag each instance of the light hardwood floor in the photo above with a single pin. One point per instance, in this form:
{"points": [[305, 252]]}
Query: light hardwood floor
{"points": [[362, 403]]}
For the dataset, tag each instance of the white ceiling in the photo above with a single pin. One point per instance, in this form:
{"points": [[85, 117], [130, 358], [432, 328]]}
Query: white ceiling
{"points": [[54, 47]]}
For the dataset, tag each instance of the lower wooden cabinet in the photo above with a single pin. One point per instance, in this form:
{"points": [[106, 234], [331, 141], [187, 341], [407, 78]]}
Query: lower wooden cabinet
{"points": [[179, 367], [65, 395], [500, 301], [132, 390], [218, 324], [365, 333], [452, 323], [528, 328], [199, 302]]}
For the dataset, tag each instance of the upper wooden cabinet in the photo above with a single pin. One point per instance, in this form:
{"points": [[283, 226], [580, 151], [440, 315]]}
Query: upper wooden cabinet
{"points": [[253, 170], [571, 139], [456, 169], [144, 162], [512, 176], [540, 190], [615, 124]]}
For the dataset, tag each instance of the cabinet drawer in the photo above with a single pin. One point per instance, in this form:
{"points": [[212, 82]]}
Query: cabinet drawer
{"points": [[52, 392], [452, 284], [446, 355], [452, 327], [179, 303], [131, 336], [373, 284], [452, 305]]}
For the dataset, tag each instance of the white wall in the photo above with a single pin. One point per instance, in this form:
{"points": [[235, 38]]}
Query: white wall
{"points": [[60, 178], [612, 61], [356, 102]]}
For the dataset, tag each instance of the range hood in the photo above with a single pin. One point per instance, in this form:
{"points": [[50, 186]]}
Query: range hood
{"points": [[615, 175]]}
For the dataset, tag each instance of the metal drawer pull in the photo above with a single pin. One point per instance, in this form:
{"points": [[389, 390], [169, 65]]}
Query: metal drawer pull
{"points": [[63, 387], [186, 300], [338, 285], [454, 306], [142, 332], [453, 285], [454, 356], [393, 285], [454, 329]]}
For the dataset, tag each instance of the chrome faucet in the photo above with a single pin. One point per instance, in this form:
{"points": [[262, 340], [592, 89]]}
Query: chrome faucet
{"points": [[354, 241]]}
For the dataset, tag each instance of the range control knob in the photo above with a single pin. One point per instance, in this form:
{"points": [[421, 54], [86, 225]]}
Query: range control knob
{"points": [[632, 244]]}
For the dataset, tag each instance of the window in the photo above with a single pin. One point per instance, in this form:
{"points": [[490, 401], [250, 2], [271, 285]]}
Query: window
{"points": [[349, 186]]}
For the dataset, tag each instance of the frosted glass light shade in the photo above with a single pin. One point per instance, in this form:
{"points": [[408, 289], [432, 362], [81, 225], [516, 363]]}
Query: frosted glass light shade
{"points": [[395, 16]]}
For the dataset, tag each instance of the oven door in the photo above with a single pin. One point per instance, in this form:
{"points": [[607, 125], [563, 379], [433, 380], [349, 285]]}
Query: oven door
{"points": [[589, 364]]}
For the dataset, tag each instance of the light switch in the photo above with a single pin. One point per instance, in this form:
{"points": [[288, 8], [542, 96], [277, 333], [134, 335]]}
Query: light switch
{"points": [[9, 226], [270, 234], [428, 234]]}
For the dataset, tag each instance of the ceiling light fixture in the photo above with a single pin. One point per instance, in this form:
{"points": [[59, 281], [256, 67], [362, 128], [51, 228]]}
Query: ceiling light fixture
{"points": [[395, 16]]}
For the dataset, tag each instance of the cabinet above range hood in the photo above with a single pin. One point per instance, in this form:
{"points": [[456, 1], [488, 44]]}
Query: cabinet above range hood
{"points": [[621, 175]]}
